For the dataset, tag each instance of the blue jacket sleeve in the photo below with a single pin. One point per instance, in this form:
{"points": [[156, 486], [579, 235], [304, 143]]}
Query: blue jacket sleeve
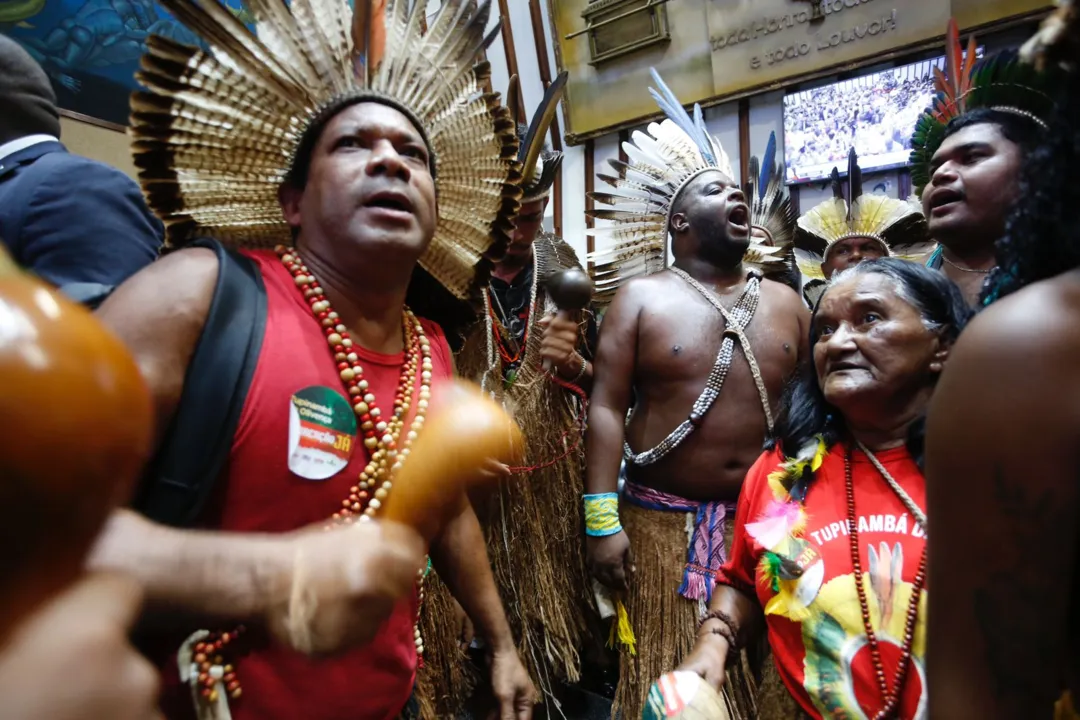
{"points": [[87, 222]]}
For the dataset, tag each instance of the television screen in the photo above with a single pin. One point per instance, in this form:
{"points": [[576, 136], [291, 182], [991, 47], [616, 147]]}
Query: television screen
{"points": [[875, 114]]}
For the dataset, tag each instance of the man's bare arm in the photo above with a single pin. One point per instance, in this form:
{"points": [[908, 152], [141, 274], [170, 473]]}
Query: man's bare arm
{"points": [[355, 574], [198, 574], [803, 313], [159, 314], [612, 387], [1002, 497], [459, 556]]}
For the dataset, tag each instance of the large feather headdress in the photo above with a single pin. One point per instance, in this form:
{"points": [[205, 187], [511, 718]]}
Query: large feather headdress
{"points": [[1000, 82], [217, 131], [770, 206], [539, 165], [660, 164], [898, 225]]}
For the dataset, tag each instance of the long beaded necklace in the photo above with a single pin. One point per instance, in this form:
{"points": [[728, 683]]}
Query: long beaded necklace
{"points": [[381, 439], [380, 436], [891, 697], [736, 319]]}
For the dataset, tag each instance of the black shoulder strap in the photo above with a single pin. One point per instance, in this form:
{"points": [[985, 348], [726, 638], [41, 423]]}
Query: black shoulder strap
{"points": [[196, 448]]}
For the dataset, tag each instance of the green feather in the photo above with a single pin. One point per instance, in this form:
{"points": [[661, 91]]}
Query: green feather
{"points": [[770, 567], [1000, 80]]}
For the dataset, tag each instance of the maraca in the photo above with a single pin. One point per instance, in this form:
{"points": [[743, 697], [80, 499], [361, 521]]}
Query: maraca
{"points": [[76, 422], [464, 431], [571, 289], [683, 696]]}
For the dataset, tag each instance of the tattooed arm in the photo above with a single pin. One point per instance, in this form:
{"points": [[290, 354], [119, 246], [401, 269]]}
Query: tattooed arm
{"points": [[1002, 482]]}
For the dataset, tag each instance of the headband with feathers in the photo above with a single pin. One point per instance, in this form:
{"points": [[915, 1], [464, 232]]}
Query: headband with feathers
{"points": [[539, 165], [1000, 82], [660, 164], [218, 131], [898, 225]]}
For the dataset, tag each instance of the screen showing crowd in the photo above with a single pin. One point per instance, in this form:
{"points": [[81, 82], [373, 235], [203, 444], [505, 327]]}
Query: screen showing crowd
{"points": [[875, 114]]}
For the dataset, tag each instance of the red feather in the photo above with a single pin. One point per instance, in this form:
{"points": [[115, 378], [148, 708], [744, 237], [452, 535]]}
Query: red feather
{"points": [[953, 56], [955, 83], [969, 65]]}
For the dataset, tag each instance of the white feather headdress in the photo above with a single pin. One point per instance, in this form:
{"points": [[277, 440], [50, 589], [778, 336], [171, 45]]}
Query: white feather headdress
{"points": [[217, 131], [660, 164]]}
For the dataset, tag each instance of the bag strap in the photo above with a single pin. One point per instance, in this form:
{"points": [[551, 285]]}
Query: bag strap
{"points": [[197, 446]]}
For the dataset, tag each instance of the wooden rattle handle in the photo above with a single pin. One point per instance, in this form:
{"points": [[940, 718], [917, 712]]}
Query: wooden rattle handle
{"points": [[464, 432]]}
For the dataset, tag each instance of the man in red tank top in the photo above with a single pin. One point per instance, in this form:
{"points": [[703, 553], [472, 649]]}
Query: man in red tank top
{"points": [[345, 371]]}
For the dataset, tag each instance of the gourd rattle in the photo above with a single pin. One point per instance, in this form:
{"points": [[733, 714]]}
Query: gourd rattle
{"points": [[75, 430]]}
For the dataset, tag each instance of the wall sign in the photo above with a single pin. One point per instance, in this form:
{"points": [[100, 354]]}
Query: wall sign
{"points": [[717, 50]]}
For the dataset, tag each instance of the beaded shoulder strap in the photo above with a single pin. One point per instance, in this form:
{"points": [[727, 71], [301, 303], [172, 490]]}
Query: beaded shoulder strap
{"points": [[736, 319]]}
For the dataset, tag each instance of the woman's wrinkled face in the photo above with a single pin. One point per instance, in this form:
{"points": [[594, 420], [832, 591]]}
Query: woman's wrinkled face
{"points": [[871, 347]]}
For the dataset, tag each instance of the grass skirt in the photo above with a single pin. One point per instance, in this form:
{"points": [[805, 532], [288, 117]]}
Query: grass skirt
{"points": [[664, 622]]}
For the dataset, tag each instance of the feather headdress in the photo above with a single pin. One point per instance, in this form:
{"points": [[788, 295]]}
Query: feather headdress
{"points": [[1000, 82], [771, 214], [898, 225], [218, 131], [770, 206], [539, 165], [660, 163]]}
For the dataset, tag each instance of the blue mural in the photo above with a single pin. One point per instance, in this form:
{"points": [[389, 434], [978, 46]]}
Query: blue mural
{"points": [[91, 48]]}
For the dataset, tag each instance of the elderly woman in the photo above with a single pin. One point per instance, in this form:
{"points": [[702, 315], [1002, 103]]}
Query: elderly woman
{"points": [[830, 533]]}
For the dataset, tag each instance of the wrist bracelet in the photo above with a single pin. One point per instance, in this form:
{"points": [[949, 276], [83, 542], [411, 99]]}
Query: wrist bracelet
{"points": [[728, 628], [722, 617], [602, 514]]}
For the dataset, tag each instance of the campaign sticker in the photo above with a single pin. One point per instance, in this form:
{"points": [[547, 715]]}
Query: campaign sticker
{"points": [[322, 432]]}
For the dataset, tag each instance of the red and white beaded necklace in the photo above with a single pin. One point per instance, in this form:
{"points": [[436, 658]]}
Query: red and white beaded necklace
{"points": [[381, 436]]}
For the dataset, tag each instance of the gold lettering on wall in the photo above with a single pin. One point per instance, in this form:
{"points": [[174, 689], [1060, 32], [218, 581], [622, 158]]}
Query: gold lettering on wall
{"points": [[720, 49]]}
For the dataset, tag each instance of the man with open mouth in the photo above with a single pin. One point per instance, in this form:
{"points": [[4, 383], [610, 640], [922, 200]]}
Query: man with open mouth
{"points": [[967, 152], [673, 342]]}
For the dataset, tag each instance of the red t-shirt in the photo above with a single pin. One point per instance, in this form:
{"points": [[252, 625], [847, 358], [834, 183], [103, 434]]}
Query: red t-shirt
{"points": [[815, 624], [295, 381]]}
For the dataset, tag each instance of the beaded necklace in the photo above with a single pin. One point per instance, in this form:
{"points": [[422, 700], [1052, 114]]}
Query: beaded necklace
{"points": [[736, 320], [891, 697], [381, 440], [497, 328]]}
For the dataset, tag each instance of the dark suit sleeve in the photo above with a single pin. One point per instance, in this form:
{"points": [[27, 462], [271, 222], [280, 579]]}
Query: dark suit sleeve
{"points": [[87, 222]]}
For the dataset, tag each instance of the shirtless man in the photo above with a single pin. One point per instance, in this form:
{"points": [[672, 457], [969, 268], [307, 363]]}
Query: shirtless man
{"points": [[658, 344]]}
